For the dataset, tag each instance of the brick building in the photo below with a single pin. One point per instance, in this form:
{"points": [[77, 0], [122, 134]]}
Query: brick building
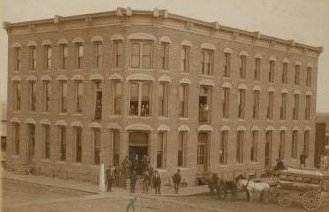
{"points": [[188, 93], [321, 137]]}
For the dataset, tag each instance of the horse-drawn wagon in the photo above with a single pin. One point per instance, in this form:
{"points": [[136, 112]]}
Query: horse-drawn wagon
{"points": [[302, 185]]}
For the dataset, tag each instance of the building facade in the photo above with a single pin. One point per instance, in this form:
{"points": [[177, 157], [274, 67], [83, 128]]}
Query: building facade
{"points": [[321, 137], [189, 94]]}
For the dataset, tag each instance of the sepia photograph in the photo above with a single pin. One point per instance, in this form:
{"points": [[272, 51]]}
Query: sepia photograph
{"points": [[164, 105]]}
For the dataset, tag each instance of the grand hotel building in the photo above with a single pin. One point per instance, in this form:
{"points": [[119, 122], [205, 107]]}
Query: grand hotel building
{"points": [[188, 93]]}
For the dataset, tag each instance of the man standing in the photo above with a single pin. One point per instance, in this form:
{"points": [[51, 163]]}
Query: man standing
{"points": [[177, 180], [146, 181], [157, 182], [109, 179], [133, 179]]}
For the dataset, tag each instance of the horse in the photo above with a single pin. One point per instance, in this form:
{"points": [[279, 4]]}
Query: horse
{"points": [[220, 187], [252, 186]]}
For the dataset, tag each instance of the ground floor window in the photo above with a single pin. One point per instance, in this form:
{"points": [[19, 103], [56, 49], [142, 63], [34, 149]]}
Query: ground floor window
{"points": [[96, 136], [161, 149], [282, 144], [306, 142], [202, 151], [294, 144], [116, 147], [31, 131], [46, 137], [223, 147], [16, 129], [254, 145], [239, 146], [62, 138], [3, 143], [182, 139], [78, 144]]}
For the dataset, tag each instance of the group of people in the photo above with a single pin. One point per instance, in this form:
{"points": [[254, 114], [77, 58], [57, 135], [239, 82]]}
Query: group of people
{"points": [[138, 168]]}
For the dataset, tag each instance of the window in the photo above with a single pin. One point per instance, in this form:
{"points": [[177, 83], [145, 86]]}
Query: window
{"points": [[309, 76], [78, 96], [243, 67], [256, 105], [308, 107], [16, 132], [294, 144], [257, 69], [48, 54], [285, 72], [227, 66], [79, 55], [98, 54], [270, 105], [117, 49], [164, 55], [161, 149], [17, 58], [163, 99], [205, 104], [96, 136], [64, 55], [31, 134], [239, 146], [98, 100], [282, 144], [223, 147], [306, 142], [185, 55], [17, 95], [78, 144], [297, 73], [202, 151], [271, 71], [62, 140], [207, 62], [254, 145], [241, 103], [63, 101], [295, 107], [141, 54], [116, 147], [226, 102], [268, 148], [183, 100], [32, 90], [117, 97], [33, 57], [47, 95], [140, 98], [182, 139], [46, 137], [283, 109]]}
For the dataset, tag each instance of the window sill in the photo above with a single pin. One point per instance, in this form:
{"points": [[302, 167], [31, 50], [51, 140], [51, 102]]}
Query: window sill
{"points": [[163, 117], [161, 170], [223, 165], [227, 78], [16, 111], [62, 113], [185, 72], [141, 69], [78, 69], [31, 71], [76, 163], [45, 113], [117, 69], [45, 160], [206, 75], [183, 118], [241, 119], [225, 119], [15, 156], [254, 162], [164, 70], [61, 162], [77, 114], [115, 116], [138, 117], [182, 168]]}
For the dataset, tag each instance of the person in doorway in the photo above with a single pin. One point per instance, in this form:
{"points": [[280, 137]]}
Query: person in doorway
{"points": [[302, 159], [146, 181], [177, 180], [133, 180], [157, 182], [109, 179]]}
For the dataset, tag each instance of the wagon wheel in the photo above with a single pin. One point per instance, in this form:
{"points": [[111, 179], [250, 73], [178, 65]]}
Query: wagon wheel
{"points": [[284, 200], [311, 200]]}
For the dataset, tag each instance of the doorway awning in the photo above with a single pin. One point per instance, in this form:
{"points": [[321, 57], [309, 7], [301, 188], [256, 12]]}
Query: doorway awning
{"points": [[139, 127]]}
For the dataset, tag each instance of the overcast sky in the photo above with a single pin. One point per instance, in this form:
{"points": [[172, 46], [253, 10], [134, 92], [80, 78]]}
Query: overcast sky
{"points": [[304, 21]]}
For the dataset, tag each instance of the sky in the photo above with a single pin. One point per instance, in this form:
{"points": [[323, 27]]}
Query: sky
{"points": [[304, 21]]}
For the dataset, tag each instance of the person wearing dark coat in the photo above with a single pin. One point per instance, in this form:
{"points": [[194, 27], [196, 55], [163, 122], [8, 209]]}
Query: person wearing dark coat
{"points": [[133, 179], [109, 179], [157, 182], [177, 180], [146, 181]]}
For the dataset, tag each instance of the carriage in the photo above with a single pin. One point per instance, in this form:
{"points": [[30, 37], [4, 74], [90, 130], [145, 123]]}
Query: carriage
{"points": [[300, 185]]}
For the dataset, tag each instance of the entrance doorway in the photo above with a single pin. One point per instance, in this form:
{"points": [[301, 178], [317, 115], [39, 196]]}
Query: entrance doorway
{"points": [[203, 152], [138, 144]]}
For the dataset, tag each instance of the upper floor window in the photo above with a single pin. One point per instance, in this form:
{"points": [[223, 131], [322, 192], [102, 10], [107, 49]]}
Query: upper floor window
{"points": [[164, 55], [241, 103], [48, 54], [205, 104], [78, 96], [256, 104], [140, 98], [17, 95], [297, 73], [183, 100], [270, 106], [207, 62], [47, 95], [283, 109], [257, 69], [271, 71], [63, 95], [98, 54], [17, 58], [32, 96], [226, 102], [33, 57], [117, 51], [117, 97], [98, 98], [243, 67], [309, 76], [227, 66], [308, 107], [295, 107], [163, 99], [141, 54], [185, 58], [64, 55], [285, 73], [79, 55]]}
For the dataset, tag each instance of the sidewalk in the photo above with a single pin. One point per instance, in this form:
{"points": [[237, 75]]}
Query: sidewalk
{"points": [[94, 189]]}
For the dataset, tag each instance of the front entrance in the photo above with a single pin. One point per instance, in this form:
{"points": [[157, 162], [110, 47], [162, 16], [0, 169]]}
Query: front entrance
{"points": [[203, 152], [138, 144]]}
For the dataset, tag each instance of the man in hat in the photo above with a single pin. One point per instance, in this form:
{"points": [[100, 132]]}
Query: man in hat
{"points": [[177, 180], [109, 179]]}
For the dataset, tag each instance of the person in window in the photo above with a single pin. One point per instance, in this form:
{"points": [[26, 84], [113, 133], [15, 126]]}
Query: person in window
{"points": [[177, 180], [302, 159]]}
